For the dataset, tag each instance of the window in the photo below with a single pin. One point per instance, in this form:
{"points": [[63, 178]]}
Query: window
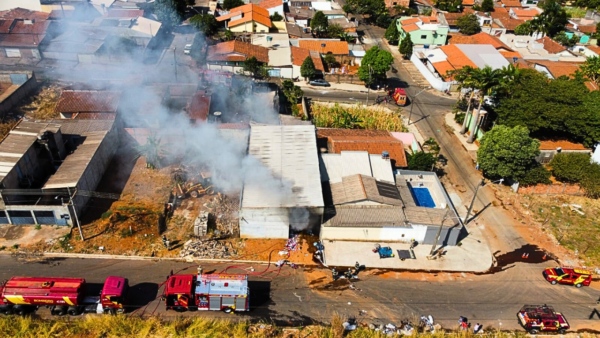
{"points": [[12, 53], [423, 36]]}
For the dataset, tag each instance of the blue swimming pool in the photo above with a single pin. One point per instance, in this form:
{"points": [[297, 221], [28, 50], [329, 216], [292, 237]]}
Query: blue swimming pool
{"points": [[422, 197]]}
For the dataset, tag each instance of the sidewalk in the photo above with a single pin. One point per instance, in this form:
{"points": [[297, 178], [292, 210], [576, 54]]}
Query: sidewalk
{"points": [[471, 148], [339, 86]]}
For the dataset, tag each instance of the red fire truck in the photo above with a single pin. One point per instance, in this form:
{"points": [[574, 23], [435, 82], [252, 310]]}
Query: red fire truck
{"points": [[399, 97], [542, 318], [205, 292], [22, 295], [571, 276]]}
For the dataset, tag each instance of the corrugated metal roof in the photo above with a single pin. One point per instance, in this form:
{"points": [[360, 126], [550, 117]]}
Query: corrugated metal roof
{"points": [[290, 153], [336, 166], [365, 216], [358, 188]]}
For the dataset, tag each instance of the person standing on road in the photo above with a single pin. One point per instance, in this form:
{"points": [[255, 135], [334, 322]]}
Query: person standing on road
{"points": [[477, 328]]}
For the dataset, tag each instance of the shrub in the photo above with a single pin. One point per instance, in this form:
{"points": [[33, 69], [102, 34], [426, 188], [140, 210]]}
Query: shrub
{"points": [[591, 181], [421, 161], [38, 227], [536, 175], [459, 117], [106, 214], [15, 246], [570, 167]]}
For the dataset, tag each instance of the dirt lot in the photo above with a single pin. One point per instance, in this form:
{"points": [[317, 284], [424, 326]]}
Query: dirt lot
{"points": [[566, 226]]}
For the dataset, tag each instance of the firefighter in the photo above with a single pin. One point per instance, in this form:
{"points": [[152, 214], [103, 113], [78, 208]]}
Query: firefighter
{"points": [[348, 273], [334, 274]]}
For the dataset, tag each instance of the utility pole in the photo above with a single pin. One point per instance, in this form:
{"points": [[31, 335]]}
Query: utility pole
{"points": [[473, 201], [437, 236], [75, 213], [369, 87], [175, 63]]}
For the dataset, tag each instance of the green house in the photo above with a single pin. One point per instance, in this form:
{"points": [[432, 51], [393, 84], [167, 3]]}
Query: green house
{"points": [[423, 30]]}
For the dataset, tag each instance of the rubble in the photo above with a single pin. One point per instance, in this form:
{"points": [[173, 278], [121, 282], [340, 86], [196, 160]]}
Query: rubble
{"points": [[292, 244], [201, 224], [225, 210], [207, 248]]}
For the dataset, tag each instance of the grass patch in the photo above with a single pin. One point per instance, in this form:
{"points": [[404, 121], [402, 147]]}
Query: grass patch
{"points": [[125, 326], [355, 117], [575, 12]]}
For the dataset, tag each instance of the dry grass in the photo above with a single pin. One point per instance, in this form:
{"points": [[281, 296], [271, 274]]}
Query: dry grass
{"points": [[355, 117], [6, 127], [126, 326], [44, 103]]}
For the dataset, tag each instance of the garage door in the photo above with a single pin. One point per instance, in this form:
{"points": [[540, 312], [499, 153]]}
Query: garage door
{"points": [[13, 53]]}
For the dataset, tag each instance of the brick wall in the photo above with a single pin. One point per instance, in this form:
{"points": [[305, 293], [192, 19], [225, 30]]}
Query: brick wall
{"points": [[552, 189], [343, 78]]}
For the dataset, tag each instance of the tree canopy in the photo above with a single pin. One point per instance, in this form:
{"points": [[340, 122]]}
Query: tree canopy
{"points": [[406, 46], [253, 66], [451, 6], [506, 152], [169, 12], [334, 31], [487, 5], [276, 17], [377, 62], [591, 69], [374, 8], [392, 34], [551, 21], [229, 4], [206, 23], [319, 23], [421, 161], [307, 70], [564, 40], [523, 29], [468, 24]]}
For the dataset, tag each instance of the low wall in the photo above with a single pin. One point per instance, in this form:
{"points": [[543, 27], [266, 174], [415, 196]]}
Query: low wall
{"points": [[552, 189], [434, 81], [8, 101], [342, 78]]}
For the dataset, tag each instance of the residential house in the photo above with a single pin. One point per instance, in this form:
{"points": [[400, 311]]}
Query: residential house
{"points": [[511, 4], [456, 56], [88, 104], [339, 49], [556, 69], [50, 166], [524, 14], [22, 33], [297, 32], [300, 16], [247, 18], [300, 54], [375, 142], [334, 14], [321, 6], [365, 201], [347, 26], [273, 6], [230, 56], [14, 86], [533, 48], [485, 39], [549, 149], [279, 52], [424, 31]]}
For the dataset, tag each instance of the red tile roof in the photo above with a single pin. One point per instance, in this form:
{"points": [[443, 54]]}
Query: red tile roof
{"points": [[468, 2], [564, 144], [443, 67], [249, 12], [372, 141], [75, 101], [479, 39], [587, 29], [511, 3], [20, 40], [22, 28], [499, 12], [270, 4], [300, 54], [456, 57], [525, 14], [510, 24], [237, 51], [22, 13], [595, 49], [452, 18], [558, 68], [331, 46], [251, 16], [410, 28], [38, 27], [551, 46], [199, 106], [409, 21]]}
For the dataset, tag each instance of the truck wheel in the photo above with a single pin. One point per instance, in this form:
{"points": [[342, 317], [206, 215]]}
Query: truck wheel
{"points": [[7, 310], [180, 309], [73, 311], [533, 331], [562, 331], [59, 311], [228, 310], [554, 282], [20, 310], [578, 285]]}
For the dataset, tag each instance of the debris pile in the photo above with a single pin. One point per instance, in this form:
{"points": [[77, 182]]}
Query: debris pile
{"points": [[207, 248], [225, 209], [201, 224]]}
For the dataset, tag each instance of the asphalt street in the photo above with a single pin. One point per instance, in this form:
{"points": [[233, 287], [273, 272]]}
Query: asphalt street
{"points": [[289, 298]]}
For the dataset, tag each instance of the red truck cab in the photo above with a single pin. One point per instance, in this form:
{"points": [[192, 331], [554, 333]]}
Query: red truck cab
{"points": [[114, 294], [179, 294]]}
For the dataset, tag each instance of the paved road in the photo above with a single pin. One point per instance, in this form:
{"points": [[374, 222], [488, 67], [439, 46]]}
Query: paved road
{"points": [[391, 297]]}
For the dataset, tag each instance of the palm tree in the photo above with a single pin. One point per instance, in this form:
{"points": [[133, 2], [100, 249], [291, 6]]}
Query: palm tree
{"points": [[591, 69], [486, 81], [152, 150], [512, 77], [465, 77]]}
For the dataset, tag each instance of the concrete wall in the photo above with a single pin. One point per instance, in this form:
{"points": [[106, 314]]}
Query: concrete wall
{"points": [[264, 223], [343, 78], [12, 99], [249, 27], [400, 234], [62, 213], [433, 80], [546, 156]]}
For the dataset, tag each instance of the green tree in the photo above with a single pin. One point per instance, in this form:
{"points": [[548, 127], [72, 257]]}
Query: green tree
{"points": [[152, 150], [538, 174], [166, 11], [486, 80], [319, 23], [466, 79], [307, 70], [507, 152], [523, 29], [487, 5], [552, 20], [406, 46], [375, 65], [229, 4], [253, 66], [570, 167], [276, 17], [392, 34], [330, 61], [421, 161], [564, 40], [591, 69], [468, 24], [229, 35], [383, 20], [372, 8], [348, 9], [591, 181], [334, 31], [205, 23], [292, 92]]}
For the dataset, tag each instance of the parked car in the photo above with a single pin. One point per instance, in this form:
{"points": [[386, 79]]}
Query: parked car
{"points": [[570, 276], [319, 82], [187, 49]]}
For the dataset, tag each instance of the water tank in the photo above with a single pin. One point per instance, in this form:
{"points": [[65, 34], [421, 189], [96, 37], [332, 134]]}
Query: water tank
{"points": [[385, 154]]}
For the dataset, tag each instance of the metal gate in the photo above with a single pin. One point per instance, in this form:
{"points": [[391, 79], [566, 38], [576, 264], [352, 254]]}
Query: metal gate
{"points": [[214, 303], [45, 217], [21, 217], [3, 218]]}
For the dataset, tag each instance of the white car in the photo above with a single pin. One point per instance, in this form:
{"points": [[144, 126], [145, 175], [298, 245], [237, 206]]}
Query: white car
{"points": [[187, 49]]}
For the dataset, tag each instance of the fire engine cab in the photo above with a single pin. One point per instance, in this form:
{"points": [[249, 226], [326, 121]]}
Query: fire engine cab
{"points": [[542, 318], [571, 276], [204, 292]]}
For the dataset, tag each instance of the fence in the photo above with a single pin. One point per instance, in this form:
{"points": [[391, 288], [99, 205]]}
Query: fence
{"points": [[343, 78], [552, 189]]}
